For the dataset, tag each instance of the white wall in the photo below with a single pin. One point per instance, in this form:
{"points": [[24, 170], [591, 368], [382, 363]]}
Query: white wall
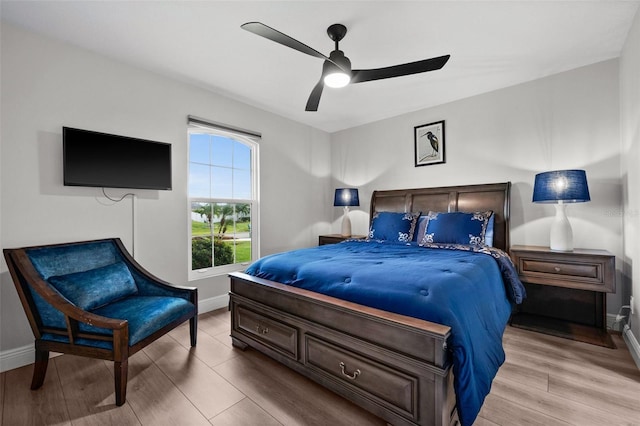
{"points": [[569, 120], [48, 84], [630, 134]]}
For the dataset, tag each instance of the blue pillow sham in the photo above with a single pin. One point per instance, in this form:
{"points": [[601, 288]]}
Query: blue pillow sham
{"points": [[457, 228], [392, 226]]}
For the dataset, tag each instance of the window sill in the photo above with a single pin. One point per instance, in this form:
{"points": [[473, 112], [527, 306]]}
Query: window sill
{"points": [[217, 271]]}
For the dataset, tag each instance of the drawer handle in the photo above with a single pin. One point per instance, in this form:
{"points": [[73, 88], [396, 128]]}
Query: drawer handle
{"points": [[261, 330], [349, 376]]}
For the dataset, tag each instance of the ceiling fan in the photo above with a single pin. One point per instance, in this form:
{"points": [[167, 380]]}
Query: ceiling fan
{"points": [[336, 70]]}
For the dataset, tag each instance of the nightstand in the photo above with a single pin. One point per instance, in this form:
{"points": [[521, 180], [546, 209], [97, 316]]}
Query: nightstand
{"points": [[566, 292], [336, 238]]}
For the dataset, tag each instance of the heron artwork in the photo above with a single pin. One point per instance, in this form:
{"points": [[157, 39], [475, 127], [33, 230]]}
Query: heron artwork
{"points": [[433, 141]]}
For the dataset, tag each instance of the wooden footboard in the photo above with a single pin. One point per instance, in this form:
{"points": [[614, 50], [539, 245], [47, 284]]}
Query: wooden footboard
{"points": [[394, 366]]}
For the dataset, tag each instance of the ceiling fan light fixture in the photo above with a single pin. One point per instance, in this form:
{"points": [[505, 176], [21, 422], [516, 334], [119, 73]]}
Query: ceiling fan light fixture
{"points": [[337, 79], [337, 71]]}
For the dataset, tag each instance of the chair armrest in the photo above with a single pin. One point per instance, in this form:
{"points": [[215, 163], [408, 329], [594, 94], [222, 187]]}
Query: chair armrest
{"points": [[92, 319]]}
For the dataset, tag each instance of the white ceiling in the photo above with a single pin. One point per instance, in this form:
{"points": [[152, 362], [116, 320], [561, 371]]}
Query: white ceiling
{"points": [[493, 44]]}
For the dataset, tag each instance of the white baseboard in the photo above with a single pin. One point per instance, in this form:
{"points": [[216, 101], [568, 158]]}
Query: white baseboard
{"points": [[25, 355], [213, 303], [16, 358], [632, 344]]}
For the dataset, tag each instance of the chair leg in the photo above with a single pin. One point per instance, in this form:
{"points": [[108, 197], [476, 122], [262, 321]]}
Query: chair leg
{"points": [[39, 368], [120, 375], [193, 330]]}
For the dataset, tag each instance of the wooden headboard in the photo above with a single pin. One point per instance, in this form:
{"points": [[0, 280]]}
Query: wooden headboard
{"points": [[466, 198]]}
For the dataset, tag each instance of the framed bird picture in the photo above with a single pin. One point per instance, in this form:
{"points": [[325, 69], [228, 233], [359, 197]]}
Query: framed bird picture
{"points": [[429, 143]]}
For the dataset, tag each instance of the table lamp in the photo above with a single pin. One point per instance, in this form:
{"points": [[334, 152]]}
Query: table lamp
{"points": [[345, 197], [560, 187]]}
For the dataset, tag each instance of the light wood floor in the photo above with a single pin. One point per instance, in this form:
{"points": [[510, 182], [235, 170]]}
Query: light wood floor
{"points": [[545, 381]]}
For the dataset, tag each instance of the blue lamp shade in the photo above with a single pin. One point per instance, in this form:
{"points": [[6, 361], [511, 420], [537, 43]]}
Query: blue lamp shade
{"points": [[568, 186], [346, 197]]}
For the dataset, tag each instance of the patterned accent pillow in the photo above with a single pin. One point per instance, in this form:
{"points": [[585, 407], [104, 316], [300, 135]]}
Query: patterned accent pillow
{"points": [[456, 228], [421, 226], [391, 226]]}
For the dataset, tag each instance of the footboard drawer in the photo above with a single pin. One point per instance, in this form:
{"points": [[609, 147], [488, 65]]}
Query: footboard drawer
{"points": [[269, 331], [375, 380]]}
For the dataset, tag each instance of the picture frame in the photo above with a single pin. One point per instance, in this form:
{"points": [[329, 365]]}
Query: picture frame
{"points": [[429, 144]]}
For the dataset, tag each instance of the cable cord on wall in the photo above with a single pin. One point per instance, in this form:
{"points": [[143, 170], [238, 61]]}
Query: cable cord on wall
{"points": [[133, 216], [117, 200]]}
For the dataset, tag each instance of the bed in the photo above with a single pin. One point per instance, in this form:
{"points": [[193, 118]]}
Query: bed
{"points": [[389, 354]]}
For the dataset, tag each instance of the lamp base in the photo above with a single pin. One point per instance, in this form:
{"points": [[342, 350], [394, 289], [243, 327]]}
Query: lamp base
{"points": [[346, 223], [561, 238]]}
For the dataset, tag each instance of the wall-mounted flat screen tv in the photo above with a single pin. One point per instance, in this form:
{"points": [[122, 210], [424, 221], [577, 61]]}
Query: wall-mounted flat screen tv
{"points": [[111, 161]]}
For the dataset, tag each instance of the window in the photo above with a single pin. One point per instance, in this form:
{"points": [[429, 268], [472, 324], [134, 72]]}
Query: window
{"points": [[223, 201]]}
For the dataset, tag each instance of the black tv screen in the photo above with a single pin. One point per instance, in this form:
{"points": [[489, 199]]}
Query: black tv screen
{"points": [[104, 160]]}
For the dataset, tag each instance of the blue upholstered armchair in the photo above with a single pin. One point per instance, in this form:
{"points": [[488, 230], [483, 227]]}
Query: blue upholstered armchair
{"points": [[93, 299]]}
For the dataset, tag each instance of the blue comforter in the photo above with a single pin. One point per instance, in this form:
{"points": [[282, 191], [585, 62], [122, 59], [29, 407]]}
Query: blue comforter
{"points": [[451, 285]]}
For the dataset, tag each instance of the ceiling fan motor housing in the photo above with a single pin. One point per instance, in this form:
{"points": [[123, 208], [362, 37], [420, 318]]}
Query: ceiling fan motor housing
{"points": [[338, 58]]}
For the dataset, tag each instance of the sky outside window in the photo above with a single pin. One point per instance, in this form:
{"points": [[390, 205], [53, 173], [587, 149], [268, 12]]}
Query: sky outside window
{"points": [[220, 167]]}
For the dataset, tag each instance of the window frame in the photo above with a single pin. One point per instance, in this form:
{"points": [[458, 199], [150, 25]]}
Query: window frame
{"points": [[252, 141]]}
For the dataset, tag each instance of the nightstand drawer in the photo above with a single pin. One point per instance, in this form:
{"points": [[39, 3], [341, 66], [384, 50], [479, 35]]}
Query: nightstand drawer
{"points": [[564, 270], [592, 270]]}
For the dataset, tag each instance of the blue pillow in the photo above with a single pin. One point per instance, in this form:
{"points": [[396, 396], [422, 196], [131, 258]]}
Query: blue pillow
{"points": [[391, 226], [96, 287], [457, 228]]}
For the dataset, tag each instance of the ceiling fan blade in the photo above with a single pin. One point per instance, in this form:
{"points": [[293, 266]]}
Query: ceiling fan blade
{"points": [[359, 76], [314, 97], [274, 35]]}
